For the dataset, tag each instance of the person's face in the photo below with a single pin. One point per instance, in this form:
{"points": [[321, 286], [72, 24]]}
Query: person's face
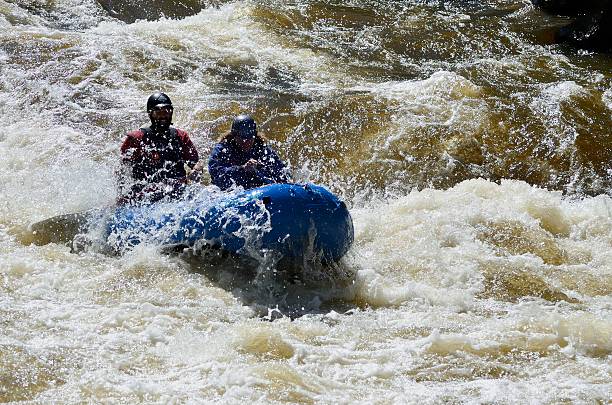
{"points": [[246, 144], [161, 116]]}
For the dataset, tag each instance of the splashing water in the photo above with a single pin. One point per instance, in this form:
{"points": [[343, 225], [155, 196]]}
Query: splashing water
{"points": [[474, 156]]}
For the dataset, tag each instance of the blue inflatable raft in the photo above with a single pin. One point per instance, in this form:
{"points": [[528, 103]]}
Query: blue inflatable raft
{"points": [[295, 221]]}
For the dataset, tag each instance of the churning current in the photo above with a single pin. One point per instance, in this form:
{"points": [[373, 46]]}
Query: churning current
{"points": [[474, 154]]}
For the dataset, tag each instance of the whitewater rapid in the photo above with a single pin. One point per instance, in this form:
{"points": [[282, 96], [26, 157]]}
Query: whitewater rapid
{"points": [[474, 161]]}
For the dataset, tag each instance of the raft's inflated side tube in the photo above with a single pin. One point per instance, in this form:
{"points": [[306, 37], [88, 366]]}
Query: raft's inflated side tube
{"points": [[297, 221]]}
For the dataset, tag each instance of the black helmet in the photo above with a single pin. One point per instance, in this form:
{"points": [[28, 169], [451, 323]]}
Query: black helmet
{"points": [[244, 126], [158, 99]]}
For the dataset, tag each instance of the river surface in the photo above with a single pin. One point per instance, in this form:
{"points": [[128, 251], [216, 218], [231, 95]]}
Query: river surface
{"points": [[475, 157]]}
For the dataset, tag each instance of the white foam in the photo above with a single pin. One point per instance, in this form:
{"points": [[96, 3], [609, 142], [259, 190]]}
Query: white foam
{"points": [[229, 34], [563, 90], [441, 84], [421, 325], [432, 235], [606, 97]]}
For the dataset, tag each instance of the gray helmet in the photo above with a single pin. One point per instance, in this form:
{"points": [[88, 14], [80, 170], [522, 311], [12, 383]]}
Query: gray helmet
{"points": [[244, 126], [157, 100]]}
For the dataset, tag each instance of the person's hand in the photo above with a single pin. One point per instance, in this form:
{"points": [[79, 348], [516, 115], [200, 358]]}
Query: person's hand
{"points": [[251, 165], [196, 172], [122, 200], [198, 167]]}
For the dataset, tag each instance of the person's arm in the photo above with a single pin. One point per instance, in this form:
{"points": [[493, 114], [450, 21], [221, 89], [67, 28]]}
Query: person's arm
{"points": [[223, 170], [130, 150], [271, 168], [190, 156], [189, 153]]}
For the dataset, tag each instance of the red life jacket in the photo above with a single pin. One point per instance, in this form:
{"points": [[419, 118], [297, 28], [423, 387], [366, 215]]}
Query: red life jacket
{"points": [[155, 158]]}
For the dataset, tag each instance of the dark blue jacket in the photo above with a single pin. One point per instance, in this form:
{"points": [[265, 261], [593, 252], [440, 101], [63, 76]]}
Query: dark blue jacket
{"points": [[226, 160]]}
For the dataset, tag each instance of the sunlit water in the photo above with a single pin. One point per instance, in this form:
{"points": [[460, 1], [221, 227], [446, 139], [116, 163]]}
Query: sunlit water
{"points": [[474, 155]]}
